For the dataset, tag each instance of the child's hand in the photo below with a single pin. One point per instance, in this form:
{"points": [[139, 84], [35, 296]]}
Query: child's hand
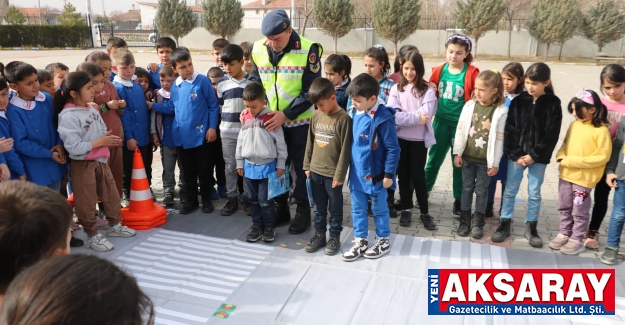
{"points": [[424, 119], [113, 104], [528, 160], [336, 183], [57, 158], [492, 171], [245, 111], [386, 183], [122, 104], [132, 145], [107, 140], [155, 141], [458, 161], [521, 162], [22, 178], [610, 179], [433, 85], [280, 172], [61, 151], [240, 171], [211, 135], [148, 95], [4, 172], [149, 104], [6, 144], [307, 172], [153, 67], [92, 104]]}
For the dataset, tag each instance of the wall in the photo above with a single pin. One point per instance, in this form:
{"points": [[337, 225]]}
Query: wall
{"points": [[428, 42]]}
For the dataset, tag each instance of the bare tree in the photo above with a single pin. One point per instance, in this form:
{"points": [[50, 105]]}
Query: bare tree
{"points": [[513, 9], [114, 15], [363, 9], [306, 10]]}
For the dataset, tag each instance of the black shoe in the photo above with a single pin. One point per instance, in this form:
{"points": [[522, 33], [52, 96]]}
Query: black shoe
{"points": [[168, 199], [489, 210], [254, 235], [477, 231], [333, 246], [397, 204], [189, 207], [301, 222], [405, 218], [531, 234], [427, 221], [457, 208], [316, 243], [75, 242], [464, 228], [207, 205], [269, 235], [502, 232], [182, 196], [283, 213], [231, 207], [391, 209]]}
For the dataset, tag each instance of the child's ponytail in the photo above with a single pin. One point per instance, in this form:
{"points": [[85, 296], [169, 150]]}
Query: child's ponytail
{"points": [[587, 99], [348, 65], [338, 63]]}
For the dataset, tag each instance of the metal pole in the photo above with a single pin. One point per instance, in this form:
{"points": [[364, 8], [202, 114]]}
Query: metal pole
{"points": [[39, 3], [293, 12]]}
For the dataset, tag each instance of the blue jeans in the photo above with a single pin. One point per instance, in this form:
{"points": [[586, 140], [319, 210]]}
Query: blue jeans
{"points": [[323, 192], [535, 177], [263, 214], [56, 186], [381, 216], [618, 216]]}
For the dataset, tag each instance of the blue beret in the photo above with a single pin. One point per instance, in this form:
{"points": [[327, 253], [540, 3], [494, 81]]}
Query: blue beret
{"points": [[275, 22]]}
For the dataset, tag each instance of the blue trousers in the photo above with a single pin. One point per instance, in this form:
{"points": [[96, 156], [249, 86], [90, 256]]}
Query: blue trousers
{"points": [[535, 177], [263, 214], [323, 193], [381, 216], [618, 216]]}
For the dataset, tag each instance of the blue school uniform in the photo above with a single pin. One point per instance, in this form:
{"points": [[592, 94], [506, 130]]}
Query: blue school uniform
{"points": [[196, 110], [155, 80], [10, 158], [112, 77], [34, 134], [136, 117], [168, 123]]}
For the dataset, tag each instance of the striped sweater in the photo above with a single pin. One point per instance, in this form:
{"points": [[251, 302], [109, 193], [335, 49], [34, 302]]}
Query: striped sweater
{"points": [[229, 94]]}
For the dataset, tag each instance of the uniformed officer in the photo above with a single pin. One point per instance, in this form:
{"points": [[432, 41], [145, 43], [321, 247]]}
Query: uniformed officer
{"points": [[286, 64]]}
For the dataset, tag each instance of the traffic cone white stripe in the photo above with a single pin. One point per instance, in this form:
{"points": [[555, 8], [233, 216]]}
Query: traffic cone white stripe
{"points": [[140, 195], [139, 174]]}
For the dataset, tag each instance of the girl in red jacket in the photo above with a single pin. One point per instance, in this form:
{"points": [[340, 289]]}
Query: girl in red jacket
{"points": [[455, 85]]}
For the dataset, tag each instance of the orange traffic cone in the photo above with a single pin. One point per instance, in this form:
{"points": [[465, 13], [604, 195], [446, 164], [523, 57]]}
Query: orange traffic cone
{"points": [[142, 213]]}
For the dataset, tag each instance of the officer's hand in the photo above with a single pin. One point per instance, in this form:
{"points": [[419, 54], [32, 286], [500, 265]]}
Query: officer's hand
{"points": [[276, 121]]}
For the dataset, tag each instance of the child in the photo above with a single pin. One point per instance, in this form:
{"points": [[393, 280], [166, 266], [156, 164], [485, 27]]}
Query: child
{"points": [[229, 91], [111, 107], [415, 102], [112, 45], [512, 76], [375, 154], [337, 68], [585, 151], [215, 74], [46, 81], [86, 139], [30, 114], [260, 153], [194, 128], [58, 71], [248, 63], [531, 134], [34, 225], [478, 147], [218, 46], [135, 120], [328, 153], [613, 86], [80, 288], [169, 151], [615, 178], [399, 60], [11, 166], [143, 79], [164, 47], [455, 86]]}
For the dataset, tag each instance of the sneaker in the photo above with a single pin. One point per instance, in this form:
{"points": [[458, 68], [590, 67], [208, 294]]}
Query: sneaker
{"points": [[103, 224], [120, 231], [222, 191], [592, 239], [405, 218], [559, 241], [609, 256], [125, 199], [75, 242], [99, 243], [168, 199], [427, 221], [207, 206], [359, 248], [318, 241], [73, 225], [380, 247], [214, 194], [269, 235], [333, 246], [254, 235], [572, 247], [232, 205], [188, 207]]}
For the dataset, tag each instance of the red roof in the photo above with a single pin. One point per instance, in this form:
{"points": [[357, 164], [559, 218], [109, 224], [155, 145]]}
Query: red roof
{"points": [[154, 4], [271, 4]]}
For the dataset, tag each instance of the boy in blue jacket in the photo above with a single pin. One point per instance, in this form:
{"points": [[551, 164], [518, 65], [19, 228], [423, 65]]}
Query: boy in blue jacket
{"points": [[375, 155], [135, 120], [11, 166], [196, 110]]}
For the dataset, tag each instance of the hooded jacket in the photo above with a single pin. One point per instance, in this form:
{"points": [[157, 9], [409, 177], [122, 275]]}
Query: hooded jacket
{"points": [[10, 158], [78, 127], [257, 145], [409, 110], [533, 129], [341, 96]]}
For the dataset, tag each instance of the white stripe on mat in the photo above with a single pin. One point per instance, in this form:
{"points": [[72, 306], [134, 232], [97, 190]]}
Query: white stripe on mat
{"points": [[181, 290], [575, 319], [194, 318], [159, 320], [455, 256], [415, 250], [397, 244], [194, 277], [184, 283], [435, 250], [495, 257], [476, 255]]}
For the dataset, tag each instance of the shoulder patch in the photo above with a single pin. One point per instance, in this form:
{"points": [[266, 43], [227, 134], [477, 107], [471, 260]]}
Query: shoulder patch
{"points": [[298, 45], [314, 68], [312, 58]]}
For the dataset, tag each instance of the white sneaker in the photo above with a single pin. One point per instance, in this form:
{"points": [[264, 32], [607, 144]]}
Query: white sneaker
{"points": [[99, 243], [120, 231], [359, 248], [380, 247]]}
